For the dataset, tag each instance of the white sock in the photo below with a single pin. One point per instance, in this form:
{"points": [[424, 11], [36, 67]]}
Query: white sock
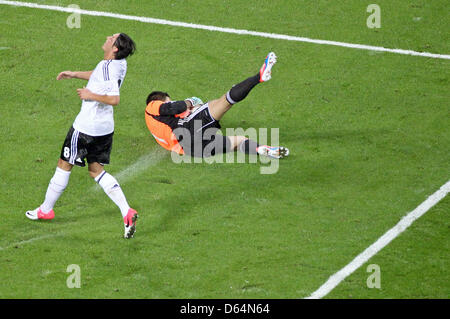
{"points": [[112, 188], [55, 188]]}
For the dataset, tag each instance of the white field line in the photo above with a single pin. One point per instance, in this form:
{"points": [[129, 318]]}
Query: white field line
{"points": [[144, 162], [225, 30], [382, 242], [20, 243]]}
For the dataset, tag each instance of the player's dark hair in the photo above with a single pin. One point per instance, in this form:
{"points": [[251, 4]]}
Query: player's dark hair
{"points": [[125, 46], [157, 96]]}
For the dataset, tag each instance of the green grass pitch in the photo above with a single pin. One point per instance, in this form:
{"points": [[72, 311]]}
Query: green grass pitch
{"points": [[368, 134]]}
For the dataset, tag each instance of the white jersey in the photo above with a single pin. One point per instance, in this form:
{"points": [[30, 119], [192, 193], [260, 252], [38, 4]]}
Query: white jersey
{"points": [[95, 118]]}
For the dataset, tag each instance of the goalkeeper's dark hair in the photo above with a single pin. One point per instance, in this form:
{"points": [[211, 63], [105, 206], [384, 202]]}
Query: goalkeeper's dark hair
{"points": [[125, 46], [157, 96]]}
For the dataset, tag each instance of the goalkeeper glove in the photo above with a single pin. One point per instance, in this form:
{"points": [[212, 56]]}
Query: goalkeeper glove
{"points": [[195, 101]]}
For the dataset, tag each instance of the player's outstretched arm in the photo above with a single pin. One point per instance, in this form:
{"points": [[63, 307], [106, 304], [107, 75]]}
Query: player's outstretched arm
{"points": [[82, 75]]}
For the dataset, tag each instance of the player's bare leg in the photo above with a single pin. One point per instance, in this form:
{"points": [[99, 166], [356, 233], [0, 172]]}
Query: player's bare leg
{"points": [[62, 164], [219, 107], [95, 169], [235, 141]]}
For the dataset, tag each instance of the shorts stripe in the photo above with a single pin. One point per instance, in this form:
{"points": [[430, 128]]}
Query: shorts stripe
{"points": [[212, 121], [201, 128], [201, 108], [192, 115], [74, 147]]}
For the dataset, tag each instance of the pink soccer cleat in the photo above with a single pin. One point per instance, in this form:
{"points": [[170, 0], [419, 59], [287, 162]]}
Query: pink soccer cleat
{"points": [[130, 223], [39, 214]]}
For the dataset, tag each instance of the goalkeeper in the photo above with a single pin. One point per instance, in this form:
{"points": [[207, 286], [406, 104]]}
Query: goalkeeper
{"points": [[190, 126]]}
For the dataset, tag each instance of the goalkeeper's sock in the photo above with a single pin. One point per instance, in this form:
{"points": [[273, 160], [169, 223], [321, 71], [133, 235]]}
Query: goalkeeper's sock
{"points": [[112, 188], [248, 147], [56, 187], [239, 91]]}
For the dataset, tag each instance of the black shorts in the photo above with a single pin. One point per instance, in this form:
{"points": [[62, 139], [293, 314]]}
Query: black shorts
{"points": [[198, 134], [79, 146]]}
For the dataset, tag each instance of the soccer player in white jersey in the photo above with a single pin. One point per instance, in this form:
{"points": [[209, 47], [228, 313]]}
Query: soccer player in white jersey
{"points": [[91, 134]]}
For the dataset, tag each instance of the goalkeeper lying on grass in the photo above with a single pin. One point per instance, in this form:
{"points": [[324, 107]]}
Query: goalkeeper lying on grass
{"points": [[190, 127]]}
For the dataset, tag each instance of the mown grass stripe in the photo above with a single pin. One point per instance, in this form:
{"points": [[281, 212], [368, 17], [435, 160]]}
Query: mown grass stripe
{"points": [[225, 30]]}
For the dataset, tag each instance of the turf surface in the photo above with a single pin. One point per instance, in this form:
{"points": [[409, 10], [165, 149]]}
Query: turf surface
{"points": [[368, 134]]}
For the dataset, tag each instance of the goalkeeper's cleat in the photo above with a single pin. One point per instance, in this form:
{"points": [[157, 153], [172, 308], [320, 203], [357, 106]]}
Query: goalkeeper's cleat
{"points": [[274, 152], [130, 223], [265, 73], [39, 214]]}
